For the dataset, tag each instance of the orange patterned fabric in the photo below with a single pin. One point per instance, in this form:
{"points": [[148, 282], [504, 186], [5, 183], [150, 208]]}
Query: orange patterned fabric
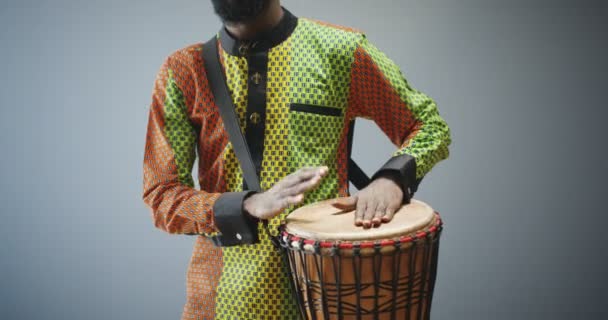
{"points": [[179, 208], [373, 97]]}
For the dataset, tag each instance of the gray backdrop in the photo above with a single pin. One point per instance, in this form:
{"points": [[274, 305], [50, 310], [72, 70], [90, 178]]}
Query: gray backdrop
{"points": [[521, 84]]}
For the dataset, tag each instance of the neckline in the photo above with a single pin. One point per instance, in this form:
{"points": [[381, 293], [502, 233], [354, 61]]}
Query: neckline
{"points": [[263, 41]]}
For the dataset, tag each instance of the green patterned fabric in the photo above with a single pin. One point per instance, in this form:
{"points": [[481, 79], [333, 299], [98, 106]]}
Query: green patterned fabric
{"points": [[180, 133]]}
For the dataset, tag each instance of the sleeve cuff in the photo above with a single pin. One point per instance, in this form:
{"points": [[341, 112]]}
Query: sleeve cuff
{"points": [[403, 169], [235, 225]]}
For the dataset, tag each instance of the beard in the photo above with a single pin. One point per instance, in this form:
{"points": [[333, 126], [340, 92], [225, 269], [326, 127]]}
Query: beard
{"points": [[239, 10]]}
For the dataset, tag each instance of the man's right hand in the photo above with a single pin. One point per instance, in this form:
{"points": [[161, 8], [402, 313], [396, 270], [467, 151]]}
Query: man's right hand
{"points": [[288, 191]]}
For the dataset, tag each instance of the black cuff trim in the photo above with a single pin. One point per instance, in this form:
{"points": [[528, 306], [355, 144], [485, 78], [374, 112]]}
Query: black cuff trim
{"points": [[235, 225], [403, 167]]}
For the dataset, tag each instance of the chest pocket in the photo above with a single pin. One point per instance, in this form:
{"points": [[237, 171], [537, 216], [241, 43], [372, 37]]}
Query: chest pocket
{"points": [[314, 134]]}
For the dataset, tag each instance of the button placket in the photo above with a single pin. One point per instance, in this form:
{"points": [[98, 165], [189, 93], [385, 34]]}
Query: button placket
{"points": [[256, 78], [243, 49], [246, 47], [255, 118], [257, 62]]}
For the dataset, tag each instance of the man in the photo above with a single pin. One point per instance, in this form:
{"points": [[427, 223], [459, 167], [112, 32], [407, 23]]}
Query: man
{"points": [[296, 84]]}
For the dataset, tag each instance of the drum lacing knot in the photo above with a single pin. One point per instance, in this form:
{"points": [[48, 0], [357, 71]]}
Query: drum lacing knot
{"points": [[317, 247], [377, 246], [300, 244], [397, 244], [334, 249]]}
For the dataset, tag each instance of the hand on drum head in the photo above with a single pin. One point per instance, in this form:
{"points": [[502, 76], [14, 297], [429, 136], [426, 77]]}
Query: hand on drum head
{"points": [[288, 191], [375, 203]]}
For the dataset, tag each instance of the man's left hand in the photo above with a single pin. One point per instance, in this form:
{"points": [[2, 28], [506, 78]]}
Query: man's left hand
{"points": [[375, 203]]}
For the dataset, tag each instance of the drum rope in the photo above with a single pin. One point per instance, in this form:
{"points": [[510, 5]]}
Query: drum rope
{"points": [[424, 282], [395, 270], [377, 259], [320, 296], [357, 271]]}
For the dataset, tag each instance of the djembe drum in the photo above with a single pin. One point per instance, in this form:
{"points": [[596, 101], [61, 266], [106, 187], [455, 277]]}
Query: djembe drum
{"points": [[341, 271]]}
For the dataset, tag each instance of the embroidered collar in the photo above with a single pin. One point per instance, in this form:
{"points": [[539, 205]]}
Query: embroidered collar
{"points": [[263, 41]]}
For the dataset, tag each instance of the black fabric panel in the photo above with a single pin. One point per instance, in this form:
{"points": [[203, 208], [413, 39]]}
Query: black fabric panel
{"points": [[232, 220], [263, 41], [328, 111], [403, 167], [256, 104]]}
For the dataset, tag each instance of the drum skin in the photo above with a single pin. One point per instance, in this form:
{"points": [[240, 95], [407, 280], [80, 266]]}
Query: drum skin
{"points": [[341, 271]]}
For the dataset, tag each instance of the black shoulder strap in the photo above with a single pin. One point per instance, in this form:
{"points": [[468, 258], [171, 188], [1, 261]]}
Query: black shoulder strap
{"points": [[219, 89], [355, 174]]}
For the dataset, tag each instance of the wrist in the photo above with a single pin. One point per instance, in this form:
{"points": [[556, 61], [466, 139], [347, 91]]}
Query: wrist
{"points": [[249, 205], [392, 176], [395, 179]]}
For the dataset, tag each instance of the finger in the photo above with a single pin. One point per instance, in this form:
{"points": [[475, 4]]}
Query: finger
{"points": [[360, 212], [287, 201], [390, 212], [302, 187], [370, 210], [323, 170], [277, 207], [304, 174], [297, 199], [348, 203], [320, 170], [377, 218]]}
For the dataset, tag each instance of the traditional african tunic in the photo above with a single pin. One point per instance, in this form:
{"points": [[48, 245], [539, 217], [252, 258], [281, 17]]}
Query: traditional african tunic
{"points": [[296, 89]]}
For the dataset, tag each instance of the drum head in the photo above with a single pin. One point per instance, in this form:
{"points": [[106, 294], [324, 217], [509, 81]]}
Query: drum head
{"points": [[322, 221]]}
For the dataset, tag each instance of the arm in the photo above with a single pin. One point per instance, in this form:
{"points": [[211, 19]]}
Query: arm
{"points": [[410, 119], [170, 150], [168, 191], [407, 116]]}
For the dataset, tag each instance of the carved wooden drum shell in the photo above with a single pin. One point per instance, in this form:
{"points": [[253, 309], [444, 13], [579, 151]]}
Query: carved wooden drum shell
{"points": [[341, 271]]}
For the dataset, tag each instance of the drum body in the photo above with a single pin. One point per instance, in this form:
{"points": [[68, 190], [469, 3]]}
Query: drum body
{"points": [[341, 271]]}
